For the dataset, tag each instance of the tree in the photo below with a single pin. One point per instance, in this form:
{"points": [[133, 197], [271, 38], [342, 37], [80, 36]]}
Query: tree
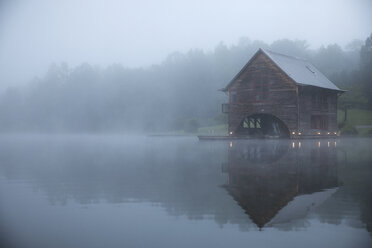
{"points": [[365, 69]]}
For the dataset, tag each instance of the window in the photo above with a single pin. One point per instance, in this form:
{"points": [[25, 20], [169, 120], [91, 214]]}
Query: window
{"points": [[225, 108], [232, 96], [251, 122], [319, 122]]}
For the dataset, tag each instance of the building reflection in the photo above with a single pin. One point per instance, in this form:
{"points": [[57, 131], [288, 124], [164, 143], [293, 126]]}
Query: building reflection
{"points": [[279, 181], [275, 182]]}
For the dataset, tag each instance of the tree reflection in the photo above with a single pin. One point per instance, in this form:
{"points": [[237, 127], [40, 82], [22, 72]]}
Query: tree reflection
{"points": [[276, 182]]}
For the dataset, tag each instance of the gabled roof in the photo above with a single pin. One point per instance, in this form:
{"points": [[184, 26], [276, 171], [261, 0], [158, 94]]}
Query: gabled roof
{"points": [[301, 71]]}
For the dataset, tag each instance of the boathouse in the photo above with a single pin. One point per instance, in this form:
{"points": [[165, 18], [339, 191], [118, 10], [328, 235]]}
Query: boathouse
{"points": [[275, 95]]}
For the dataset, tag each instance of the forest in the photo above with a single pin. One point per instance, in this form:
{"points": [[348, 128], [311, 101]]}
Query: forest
{"points": [[178, 94]]}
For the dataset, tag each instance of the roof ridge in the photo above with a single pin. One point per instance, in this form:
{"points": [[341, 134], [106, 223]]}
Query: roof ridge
{"points": [[300, 71], [284, 55]]}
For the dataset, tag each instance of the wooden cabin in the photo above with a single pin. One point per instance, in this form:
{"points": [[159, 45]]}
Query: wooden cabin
{"points": [[275, 95]]}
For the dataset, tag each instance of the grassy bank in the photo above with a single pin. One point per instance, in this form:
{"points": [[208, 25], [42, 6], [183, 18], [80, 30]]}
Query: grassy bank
{"points": [[356, 117], [209, 130], [213, 130], [360, 119]]}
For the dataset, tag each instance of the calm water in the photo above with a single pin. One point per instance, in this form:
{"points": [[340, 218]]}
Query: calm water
{"points": [[120, 191]]}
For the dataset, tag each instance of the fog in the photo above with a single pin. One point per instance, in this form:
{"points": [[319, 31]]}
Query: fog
{"points": [[95, 191], [101, 103], [92, 66], [36, 33]]}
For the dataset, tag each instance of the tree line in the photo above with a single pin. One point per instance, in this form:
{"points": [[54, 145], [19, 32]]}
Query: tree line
{"points": [[182, 89]]}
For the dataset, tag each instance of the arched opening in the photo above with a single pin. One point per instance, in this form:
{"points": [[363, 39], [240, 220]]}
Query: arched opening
{"points": [[263, 125]]}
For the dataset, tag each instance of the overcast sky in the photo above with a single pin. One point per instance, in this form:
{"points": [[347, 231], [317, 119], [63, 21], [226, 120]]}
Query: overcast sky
{"points": [[35, 33]]}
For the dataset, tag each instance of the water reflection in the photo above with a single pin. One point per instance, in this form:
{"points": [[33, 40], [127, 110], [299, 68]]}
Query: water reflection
{"points": [[278, 181], [266, 184]]}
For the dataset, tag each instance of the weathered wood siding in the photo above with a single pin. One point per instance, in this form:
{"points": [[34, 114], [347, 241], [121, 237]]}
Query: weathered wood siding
{"points": [[281, 101], [307, 109], [332, 101]]}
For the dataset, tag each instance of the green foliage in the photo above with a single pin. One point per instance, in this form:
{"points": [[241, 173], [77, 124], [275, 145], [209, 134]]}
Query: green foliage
{"points": [[356, 117], [358, 81], [297, 48], [354, 97], [358, 122], [220, 119], [348, 129], [366, 53], [365, 70], [365, 131], [213, 130], [331, 59]]}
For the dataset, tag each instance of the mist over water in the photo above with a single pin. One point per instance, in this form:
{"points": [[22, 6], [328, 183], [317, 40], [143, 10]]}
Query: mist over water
{"points": [[101, 102], [90, 191]]}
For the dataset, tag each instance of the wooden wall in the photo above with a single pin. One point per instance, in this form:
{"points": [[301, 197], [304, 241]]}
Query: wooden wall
{"points": [[307, 109], [290, 103], [282, 99]]}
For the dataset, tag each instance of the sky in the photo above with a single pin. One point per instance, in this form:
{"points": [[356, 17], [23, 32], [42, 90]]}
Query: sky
{"points": [[36, 33]]}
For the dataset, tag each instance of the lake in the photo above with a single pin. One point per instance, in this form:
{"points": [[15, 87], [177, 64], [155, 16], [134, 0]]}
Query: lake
{"points": [[135, 191]]}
